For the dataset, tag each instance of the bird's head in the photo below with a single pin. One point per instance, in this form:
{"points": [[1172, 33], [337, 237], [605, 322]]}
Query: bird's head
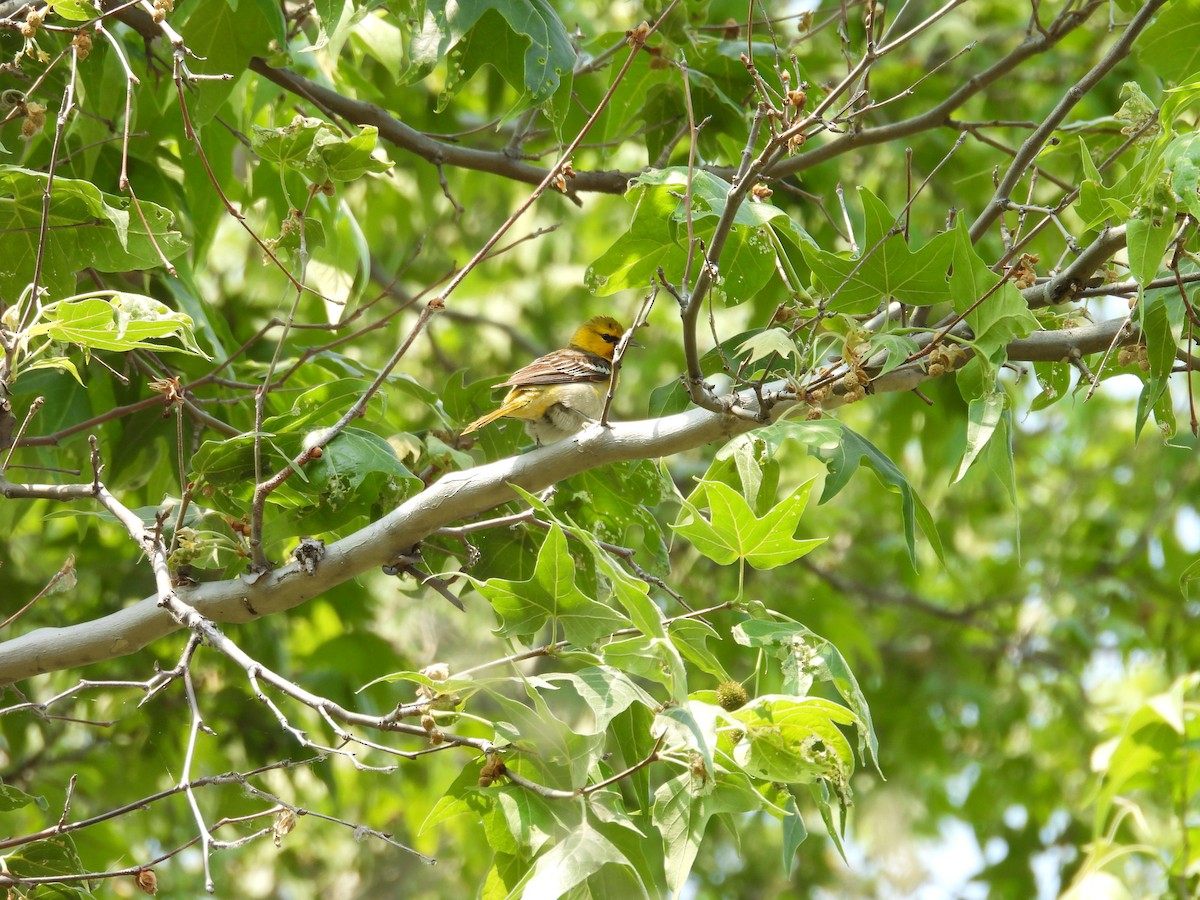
{"points": [[599, 336]]}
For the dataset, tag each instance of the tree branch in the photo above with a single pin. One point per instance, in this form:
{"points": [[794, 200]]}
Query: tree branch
{"points": [[457, 496], [433, 151]]}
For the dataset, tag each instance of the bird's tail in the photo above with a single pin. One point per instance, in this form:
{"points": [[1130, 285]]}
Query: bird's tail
{"points": [[505, 408]]}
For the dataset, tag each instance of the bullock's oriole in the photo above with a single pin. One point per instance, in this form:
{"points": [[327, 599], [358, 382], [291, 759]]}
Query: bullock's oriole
{"points": [[557, 394]]}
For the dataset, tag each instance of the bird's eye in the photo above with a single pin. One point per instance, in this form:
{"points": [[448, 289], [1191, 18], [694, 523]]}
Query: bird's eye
{"points": [[612, 338]]}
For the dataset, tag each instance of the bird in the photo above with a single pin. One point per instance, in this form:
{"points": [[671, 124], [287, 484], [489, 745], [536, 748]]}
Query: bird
{"points": [[557, 394]]}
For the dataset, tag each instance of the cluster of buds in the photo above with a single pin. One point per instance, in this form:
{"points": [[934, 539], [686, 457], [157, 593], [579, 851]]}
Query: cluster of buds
{"points": [[1023, 272], [32, 114], [35, 120], [1134, 355], [82, 42], [161, 8], [146, 881], [945, 358], [855, 384], [637, 36], [33, 21], [430, 725], [492, 769], [796, 97], [814, 399], [565, 173], [285, 821]]}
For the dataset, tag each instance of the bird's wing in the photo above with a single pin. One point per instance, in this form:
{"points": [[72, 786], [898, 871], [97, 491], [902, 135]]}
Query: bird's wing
{"points": [[561, 367]]}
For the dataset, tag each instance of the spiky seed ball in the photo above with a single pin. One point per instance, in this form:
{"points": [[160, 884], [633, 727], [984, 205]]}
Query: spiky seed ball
{"points": [[731, 695]]}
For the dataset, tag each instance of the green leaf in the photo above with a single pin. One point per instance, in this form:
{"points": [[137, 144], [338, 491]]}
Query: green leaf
{"points": [[550, 596], [568, 863], [75, 10], [757, 470], [654, 659], [46, 859], [1182, 162], [1003, 464], [223, 35], [983, 415], [658, 231], [734, 532], [632, 593], [1001, 317], [1169, 46], [358, 475], [710, 195], [86, 228], [1098, 202], [1055, 381], [843, 451], [681, 818], [598, 502], [530, 821], [556, 753], [794, 834], [692, 725], [772, 341], [1148, 235], [319, 151], [13, 798], [61, 363], [115, 320], [897, 346], [682, 808], [458, 799], [1153, 739], [794, 741], [1160, 347], [652, 242], [466, 37], [891, 271], [819, 790], [807, 656], [607, 692], [691, 638]]}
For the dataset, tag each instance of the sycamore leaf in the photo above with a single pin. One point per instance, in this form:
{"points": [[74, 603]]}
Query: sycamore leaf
{"points": [[1003, 315], [891, 270], [983, 415], [550, 595], [772, 341], [115, 320], [807, 657], [86, 228], [794, 740], [733, 532], [843, 451], [568, 863], [657, 236], [319, 151], [681, 814], [1160, 345], [1148, 236], [524, 40]]}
